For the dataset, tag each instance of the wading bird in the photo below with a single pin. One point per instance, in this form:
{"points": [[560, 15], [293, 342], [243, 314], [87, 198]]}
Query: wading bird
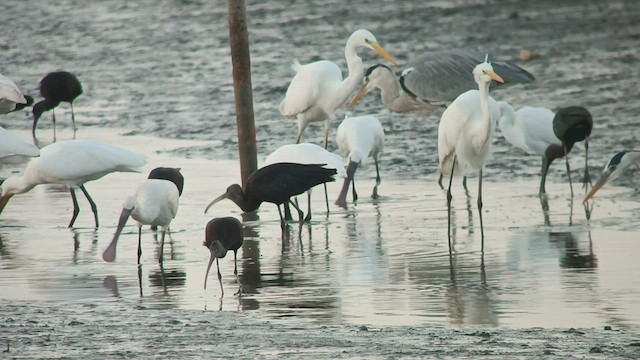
{"points": [[306, 153], [11, 97], [168, 173], [318, 90], [572, 124], [72, 163], [155, 202], [465, 134], [13, 146], [359, 138], [618, 163], [56, 87], [275, 184], [432, 81], [222, 235]]}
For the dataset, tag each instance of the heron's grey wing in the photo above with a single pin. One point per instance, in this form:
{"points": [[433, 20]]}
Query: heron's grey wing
{"points": [[442, 76]]}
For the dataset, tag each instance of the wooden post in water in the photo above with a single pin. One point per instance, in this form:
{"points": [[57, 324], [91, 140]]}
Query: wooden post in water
{"points": [[241, 61]]}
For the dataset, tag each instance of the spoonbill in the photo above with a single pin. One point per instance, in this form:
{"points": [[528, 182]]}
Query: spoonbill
{"points": [[306, 153], [465, 134], [12, 146], [276, 184], [359, 138], [318, 90], [618, 163], [221, 235], [155, 202], [11, 97], [56, 87], [72, 163]]}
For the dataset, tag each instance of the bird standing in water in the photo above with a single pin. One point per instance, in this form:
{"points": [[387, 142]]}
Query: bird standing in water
{"points": [[222, 235], [56, 87], [572, 124]]}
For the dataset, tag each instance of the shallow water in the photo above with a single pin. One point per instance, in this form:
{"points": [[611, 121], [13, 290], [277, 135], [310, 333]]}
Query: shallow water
{"points": [[156, 79]]}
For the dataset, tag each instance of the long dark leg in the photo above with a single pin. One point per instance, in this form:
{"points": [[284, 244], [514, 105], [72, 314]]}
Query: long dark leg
{"points": [[566, 160], [480, 210], [220, 278], [543, 178], [53, 114], [464, 183], [449, 197], [73, 119], [378, 181], [354, 194], [300, 213], [94, 208], [308, 217], [139, 243], [160, 257], [587, 178], [235, 272], [282, 223], [326, 199], [76, 209], [287, 210], [440, 180]]}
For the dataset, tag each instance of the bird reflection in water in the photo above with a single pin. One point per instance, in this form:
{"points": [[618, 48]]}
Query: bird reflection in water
{"points": [[163, 279], [76, 243], [574, 257]]}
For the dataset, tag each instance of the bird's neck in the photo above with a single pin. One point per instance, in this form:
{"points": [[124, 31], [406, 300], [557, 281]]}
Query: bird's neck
{"points": [[353, 79], [488, 123], [246, 203]]}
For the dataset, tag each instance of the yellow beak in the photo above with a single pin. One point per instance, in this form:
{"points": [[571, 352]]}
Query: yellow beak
{"points": [[363, 90], [495, 76], [382, 52], [600, 183]]}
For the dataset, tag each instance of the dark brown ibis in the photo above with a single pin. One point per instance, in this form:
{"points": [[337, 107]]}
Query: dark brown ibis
{"points": [[570, 124], [275, 184], [221, 235], [56, 87]]}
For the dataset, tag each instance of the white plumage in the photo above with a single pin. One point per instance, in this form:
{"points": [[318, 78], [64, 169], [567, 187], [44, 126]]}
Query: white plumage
{"points": [[155, 202], [10, 95], [72, 163], [317, 90], [12, 145]]}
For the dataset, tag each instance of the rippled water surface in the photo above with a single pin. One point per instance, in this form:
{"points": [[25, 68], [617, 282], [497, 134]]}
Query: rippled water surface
{"points": [[157, 79]]}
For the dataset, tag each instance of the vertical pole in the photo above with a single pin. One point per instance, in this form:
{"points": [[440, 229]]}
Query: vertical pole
{"points": [[241, 61]]}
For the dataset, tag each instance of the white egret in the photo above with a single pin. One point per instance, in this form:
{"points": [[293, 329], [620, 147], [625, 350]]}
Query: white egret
{"points": [[56, 87], [618, 163], [318, 89], [431, 82], [222, 235], [465, 134], [306, 153], [359, 138], [155, 203], [11, 97], [13, 146], [72, 163]]}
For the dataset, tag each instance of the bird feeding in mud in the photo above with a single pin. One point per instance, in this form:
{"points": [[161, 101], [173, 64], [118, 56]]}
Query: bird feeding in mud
{"points": [[276, 184], [306, 153], [56, 87], [572, 124], [72, 163], [11, 97], [432, 81], [222, 235], [317, 90], [618, 163], [465, 134], [155, 202], [13, 146], [359, 138]]}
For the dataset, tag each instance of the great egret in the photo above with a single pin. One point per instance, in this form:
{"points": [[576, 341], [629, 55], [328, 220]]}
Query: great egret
{"points": [[318, 90], [155, 202], [465, 134], [222, 235], [11, 97], [56, 87], [432, 81], [359, 138], [72, 163], [572, 124], [276, 183], [13, 146], [618, 163], [306, 153]]}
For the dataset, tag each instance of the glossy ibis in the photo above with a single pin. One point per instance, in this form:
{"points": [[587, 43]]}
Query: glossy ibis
{"points": [[56, 87], [572, 124], [221, 235], [275, 184]]}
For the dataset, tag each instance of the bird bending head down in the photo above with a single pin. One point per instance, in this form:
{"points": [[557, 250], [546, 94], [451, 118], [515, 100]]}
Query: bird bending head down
{"points": [[618, 163]]}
